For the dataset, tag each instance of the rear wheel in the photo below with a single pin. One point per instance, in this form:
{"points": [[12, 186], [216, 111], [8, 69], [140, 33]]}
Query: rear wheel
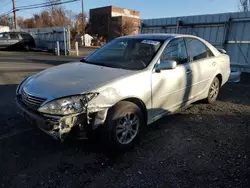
{"points": [[213, 91], [124, 122]]}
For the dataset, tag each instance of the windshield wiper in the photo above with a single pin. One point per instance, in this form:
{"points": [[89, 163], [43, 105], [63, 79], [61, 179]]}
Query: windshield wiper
{"points": [[94, 63], [99, 64], [84, 61]]}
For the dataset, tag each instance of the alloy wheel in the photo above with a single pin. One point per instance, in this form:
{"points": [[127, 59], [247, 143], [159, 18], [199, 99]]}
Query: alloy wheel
{"points": [[214, 90], [127, 128]]}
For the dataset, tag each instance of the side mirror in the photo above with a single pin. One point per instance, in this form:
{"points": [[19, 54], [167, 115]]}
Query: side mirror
{"points": [[222, 50], [165, 65]]}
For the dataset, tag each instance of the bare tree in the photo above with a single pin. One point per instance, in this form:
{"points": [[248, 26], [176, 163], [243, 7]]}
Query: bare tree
{"points": [[76, 24], [52, 7], [244, 5], [46, 19], [26, 23], [122, 27], [4, 20], [53, 17], [79, 24], [128, 28]]}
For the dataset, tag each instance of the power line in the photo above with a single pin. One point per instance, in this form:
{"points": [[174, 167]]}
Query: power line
{"points": [[41, 5], [6, 5], [6, 13]]}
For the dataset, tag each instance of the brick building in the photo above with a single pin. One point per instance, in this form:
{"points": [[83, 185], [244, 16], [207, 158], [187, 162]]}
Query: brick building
{"points": [[111, 22]]}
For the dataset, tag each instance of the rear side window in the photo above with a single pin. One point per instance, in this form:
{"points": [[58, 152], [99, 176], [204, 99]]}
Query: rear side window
{"points": [[197, 50], [175, 50], [13, 36]]}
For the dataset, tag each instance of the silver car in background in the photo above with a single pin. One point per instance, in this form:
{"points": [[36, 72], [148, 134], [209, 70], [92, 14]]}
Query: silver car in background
{"points": [[16, 41], [124, 86]]}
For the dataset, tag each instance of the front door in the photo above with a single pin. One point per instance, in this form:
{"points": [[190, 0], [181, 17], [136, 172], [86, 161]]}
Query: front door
{"points": [[14, 39], [171, 88]]}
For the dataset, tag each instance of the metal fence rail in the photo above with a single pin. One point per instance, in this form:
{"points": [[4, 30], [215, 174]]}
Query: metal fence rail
{"points": [[230, 31]]}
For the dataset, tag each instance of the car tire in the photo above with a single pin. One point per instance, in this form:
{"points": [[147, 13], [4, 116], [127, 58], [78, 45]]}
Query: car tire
{"points": [[27, 47], [123, 126], [214, 90]]}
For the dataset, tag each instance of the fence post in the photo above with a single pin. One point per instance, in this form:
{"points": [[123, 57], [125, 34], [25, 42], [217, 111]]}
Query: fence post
{"points": [[76, 48], [65, 41], [57, 48], [68, 39], [178, 26]]}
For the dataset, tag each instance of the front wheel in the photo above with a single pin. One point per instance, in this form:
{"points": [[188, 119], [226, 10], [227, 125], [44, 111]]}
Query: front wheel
{"points": [[213, 91], [124, 122], [27, 47]]}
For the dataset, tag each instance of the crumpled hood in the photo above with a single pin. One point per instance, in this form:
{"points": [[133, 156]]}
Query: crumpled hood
{"points": [[71, 79]]}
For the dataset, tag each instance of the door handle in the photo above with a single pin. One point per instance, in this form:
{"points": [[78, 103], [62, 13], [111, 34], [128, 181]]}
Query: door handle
{"points": [[189, 71]]}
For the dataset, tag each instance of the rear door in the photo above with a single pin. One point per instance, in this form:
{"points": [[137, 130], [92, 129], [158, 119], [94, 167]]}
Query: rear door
{"points": [[14, 38], [203, 65]]}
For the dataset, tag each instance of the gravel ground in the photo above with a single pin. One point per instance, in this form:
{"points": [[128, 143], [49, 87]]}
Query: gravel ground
{"points": [[199, 146]]}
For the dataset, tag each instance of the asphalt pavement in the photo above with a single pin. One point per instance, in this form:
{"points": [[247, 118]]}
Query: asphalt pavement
{"points": [[199, 146], [15, 66]]}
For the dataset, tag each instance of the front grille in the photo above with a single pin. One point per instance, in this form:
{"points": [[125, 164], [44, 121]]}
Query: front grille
{"points": [[31, 101]]}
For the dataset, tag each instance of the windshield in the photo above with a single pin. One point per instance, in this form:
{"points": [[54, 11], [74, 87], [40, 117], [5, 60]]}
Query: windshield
{"points": [[131, 54]]}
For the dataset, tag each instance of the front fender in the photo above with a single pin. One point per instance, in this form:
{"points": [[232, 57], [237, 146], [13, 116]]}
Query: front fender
{"points": [[135, 86]]}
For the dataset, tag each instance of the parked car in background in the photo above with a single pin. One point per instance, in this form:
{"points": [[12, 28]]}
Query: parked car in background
{"points": [[122, 87], [16, 41]]}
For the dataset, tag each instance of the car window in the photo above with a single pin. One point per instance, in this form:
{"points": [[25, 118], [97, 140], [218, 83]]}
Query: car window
{"points": [[117, 50], [175, 50], [4, 36], [126, 53], [197, 50], [13, 36]]}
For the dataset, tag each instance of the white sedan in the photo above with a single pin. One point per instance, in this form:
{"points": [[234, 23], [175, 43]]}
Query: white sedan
{"points": [[122, 87]]}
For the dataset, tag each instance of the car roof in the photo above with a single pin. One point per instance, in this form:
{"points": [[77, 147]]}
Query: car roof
{"points": [[18, 32], [169, 36], [160, 36]]}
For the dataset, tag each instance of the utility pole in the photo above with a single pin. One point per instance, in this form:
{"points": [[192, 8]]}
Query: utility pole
{"points": [[83, 22], [14, 13]]}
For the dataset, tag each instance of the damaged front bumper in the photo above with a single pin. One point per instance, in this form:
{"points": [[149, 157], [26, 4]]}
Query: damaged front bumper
{"points": [[59, 127]]}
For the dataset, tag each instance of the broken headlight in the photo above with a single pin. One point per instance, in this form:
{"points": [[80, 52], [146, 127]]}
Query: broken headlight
{"points": [[67, 105]]}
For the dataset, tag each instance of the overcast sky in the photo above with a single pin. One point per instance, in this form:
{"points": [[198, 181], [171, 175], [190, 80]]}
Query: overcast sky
{"points": [[148, 8]]}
